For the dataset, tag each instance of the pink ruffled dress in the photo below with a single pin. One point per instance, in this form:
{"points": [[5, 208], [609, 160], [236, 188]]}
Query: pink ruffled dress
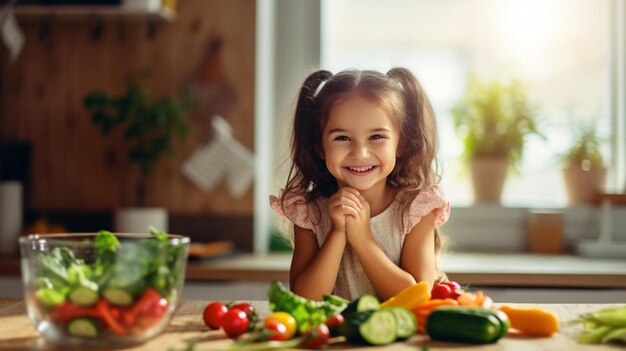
{"points": [[387, 231]]}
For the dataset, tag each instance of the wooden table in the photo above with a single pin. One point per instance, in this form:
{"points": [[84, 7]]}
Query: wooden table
{"points": [[18, 333]]}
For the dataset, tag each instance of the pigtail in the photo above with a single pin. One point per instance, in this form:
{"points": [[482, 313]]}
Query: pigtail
{"points": [[305, 144], [418, 151]]}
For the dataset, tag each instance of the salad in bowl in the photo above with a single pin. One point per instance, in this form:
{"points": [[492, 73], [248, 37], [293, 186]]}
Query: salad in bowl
{"points": [[102, 288]]}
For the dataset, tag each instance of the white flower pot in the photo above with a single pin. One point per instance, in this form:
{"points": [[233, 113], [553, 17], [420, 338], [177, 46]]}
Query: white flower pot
{"points": [[138, 219], [10, 215]]}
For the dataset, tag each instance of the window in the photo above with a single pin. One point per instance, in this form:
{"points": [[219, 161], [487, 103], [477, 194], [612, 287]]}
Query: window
{"points": [[561, 49]]}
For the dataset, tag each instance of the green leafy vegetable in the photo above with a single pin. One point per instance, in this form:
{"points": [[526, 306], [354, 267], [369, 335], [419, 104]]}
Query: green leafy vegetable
{"points": [[307, 313], [121, 269]]}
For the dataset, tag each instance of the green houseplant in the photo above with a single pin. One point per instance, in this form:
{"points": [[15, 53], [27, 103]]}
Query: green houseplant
{"points": [[584, 167], [493, 121], [149, 127]]}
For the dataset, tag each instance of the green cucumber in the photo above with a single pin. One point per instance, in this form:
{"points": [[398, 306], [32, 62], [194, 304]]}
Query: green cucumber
{"points": [[406, 323], [83, 327], [364, 303], [374, 327], [119, 297], [465, 324], [84, 296], [505, 323]]}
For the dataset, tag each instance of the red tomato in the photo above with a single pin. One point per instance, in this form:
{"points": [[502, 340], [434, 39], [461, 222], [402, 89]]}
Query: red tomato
{"points": [[286, 319], [456, 293], [277, 331], [213, 314], [235, 322], [440, 291], [316, 337], [244, 306], [452, 284], [334, 322]]}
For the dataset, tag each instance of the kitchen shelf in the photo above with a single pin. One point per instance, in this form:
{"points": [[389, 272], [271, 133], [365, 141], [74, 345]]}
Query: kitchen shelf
{"points": [[77, 11]]}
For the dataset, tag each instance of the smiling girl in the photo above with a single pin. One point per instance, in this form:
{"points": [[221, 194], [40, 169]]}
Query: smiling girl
{"points": [[362, 192]]}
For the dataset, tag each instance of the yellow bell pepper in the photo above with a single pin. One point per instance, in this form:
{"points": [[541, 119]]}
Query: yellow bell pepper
{"points": [[410, 297], [532, 320]]}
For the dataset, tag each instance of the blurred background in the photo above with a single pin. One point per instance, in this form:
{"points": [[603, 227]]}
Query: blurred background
{"points": [[119, 114]]}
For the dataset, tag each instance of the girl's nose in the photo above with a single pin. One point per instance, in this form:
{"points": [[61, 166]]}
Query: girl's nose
{"points": [[360, 150]]}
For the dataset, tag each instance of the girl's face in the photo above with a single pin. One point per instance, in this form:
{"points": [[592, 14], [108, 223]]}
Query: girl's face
{"points": [[360, 142]]}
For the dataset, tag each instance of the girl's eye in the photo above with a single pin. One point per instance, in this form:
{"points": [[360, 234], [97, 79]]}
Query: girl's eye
{"points": [[342, 138], [377, 137]]}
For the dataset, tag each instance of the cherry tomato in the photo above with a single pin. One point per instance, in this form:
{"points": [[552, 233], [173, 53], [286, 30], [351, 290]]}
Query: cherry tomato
{"points": [[440, 291], [213, 314], [334, 322], [456, 293], [452, 284], [284, 318], [278, 331], [315, 337], [235, 322], [244, 306]]}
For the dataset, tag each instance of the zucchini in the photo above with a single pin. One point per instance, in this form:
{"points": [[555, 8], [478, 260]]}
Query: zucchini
{"points": [[84, 296], [364, 303], [374, 327], [83, 327], [119, 297], [406, 323], [465, 324]]}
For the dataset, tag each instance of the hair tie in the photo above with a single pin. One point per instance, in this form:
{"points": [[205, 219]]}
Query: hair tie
{"points": [[319, 88]]}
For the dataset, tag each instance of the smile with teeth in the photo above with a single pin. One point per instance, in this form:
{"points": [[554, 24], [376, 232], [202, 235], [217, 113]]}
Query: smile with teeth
{"points": [[362, 169]]}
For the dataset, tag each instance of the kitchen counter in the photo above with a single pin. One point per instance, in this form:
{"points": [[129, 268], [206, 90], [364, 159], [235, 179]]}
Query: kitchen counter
{"points": [[477, 269], [18, 333]]}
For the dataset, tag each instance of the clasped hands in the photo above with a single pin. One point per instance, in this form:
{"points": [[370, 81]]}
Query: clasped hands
{"points": [[350, 214]]}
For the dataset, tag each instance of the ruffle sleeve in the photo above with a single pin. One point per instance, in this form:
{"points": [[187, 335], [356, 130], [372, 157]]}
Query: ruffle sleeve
{"points": [[429, 200], [295, 208]]}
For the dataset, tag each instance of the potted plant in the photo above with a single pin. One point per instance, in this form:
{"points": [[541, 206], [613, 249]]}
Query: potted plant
{"points": [[494, 121], [584, 168], [149, 129]]}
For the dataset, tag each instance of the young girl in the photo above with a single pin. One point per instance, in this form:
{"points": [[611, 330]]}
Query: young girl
{"points": [[362, 191]]}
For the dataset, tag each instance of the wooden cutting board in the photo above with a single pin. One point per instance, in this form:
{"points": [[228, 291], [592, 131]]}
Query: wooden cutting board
{"points": [[18, 333]]}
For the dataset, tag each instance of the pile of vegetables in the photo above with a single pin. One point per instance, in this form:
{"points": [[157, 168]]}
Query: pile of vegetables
{"points": [[445, 312], [603, 326], [127, 289]]}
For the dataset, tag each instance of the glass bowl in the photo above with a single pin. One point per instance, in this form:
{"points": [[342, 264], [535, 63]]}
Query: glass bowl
{"points": [[102, 288]]}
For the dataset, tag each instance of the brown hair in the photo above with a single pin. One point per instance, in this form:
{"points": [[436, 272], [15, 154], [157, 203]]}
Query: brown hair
{"points": [[401, 95]]}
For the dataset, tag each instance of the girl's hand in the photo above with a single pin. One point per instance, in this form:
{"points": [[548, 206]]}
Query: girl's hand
{"points": [[358, 227], [344, 203]]}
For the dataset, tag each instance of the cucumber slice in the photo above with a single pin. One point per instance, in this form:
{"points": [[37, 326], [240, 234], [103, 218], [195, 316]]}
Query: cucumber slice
{"points": [[380, 328], [371, 327], [83, 327], [118, 297], [84, 296], [406, 323], [364, 303]]}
